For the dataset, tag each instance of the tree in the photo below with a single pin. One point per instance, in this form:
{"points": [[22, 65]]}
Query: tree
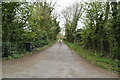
{"points": [[101, 30], [72, 15], [27, 22], [115, 26], [14, 17]]}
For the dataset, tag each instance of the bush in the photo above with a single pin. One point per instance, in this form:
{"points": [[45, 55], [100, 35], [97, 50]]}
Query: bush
{"points": [[41, 43], [12, 49], [8, 49]]}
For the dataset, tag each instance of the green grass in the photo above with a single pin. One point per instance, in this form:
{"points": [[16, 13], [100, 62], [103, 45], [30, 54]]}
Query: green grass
{"points": [[28, 53], [95, 58]]}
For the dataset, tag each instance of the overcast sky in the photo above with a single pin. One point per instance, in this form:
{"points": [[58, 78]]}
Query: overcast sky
{"points": [[61, 5]]}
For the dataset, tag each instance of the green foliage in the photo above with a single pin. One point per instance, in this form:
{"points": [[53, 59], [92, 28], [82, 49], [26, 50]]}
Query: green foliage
{"points": [[10, 48], [44, 47], [27, 22], [72, 15], [16, 55], [12, 26], [100, 32]]}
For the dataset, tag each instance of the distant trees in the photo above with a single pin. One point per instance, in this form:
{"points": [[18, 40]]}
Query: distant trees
{"points": [[72, 15], [101, 28], [27, 22]]}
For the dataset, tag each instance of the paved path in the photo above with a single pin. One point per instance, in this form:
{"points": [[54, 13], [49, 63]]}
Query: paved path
{"points": [[57, 61]]}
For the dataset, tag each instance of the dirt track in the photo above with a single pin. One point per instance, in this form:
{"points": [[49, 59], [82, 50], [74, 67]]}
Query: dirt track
{"points": [[57, 61]]}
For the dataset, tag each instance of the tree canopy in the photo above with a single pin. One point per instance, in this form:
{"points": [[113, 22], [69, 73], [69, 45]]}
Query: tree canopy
{"points": [[101, 27], [27, 22]]}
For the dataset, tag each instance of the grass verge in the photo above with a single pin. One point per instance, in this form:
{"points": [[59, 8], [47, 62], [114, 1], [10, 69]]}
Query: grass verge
{"points": [[28, 53], [95, 58]]}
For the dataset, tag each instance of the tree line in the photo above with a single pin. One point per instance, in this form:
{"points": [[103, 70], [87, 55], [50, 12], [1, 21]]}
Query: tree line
{"points": [[101, 30], [27, 22]]}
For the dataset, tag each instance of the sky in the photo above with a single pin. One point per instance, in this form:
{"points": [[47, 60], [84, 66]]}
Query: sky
{"points": [[61, 5]]}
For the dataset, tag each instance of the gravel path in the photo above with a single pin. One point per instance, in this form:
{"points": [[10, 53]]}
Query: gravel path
{"points": [[57, 61]]}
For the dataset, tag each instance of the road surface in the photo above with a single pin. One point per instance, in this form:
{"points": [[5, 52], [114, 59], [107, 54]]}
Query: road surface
{"points": [[57, 61]]}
